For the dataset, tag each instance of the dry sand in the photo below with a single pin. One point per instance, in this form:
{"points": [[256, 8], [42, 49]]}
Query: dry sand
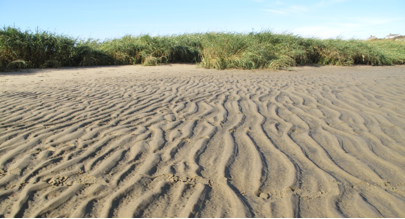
{"points": [[178, 141]]}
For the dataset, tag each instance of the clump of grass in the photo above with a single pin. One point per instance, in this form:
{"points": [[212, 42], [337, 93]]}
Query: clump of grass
{"points": [[393, 50], [149, 50], [17, 64], [275, 51], [88, 53], [350, 52], [35, 50], [42, 49], [232, 50]]}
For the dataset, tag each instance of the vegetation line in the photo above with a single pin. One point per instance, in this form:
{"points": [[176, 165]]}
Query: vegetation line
{"points": [[42, 49]]}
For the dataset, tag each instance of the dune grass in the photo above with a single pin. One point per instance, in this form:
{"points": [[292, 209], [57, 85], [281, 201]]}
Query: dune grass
{"points": [[261, 50]]}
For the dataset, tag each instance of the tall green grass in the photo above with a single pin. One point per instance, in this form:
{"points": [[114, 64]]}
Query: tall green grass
{"points": [[149, 50], [42, 49]]}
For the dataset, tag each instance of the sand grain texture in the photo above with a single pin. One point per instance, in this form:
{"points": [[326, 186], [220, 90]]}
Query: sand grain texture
{"points": [[178, 141]]}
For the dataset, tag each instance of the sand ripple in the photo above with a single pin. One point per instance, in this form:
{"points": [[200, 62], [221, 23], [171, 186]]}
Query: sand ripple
{"points": [[326, 142]]}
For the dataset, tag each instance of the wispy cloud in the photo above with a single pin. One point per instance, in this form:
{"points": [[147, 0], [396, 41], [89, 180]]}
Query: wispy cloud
{"points": [[322, 32], [288, 10], [329, 2], [377, 20], [348, 25], [337, 1], [353, 27], [298, 8], [276, 11], [279, 7], [272, 2]]}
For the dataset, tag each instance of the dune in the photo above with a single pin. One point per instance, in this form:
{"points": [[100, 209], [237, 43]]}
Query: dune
{"points": [[180, 141]]}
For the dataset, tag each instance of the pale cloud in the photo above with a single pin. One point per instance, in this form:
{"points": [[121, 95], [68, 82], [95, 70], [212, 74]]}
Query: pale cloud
{"points": [[289, 10], [348, 25], [276, 11], [292, 9], [377, 20], [338, 1], [314, 21], [269, 3], [330, 2], [297, 8], [358, 27], [322, 32]]}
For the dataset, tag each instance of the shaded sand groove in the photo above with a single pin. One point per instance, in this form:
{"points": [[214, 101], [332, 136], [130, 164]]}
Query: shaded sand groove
{"points": [[176, 141]]}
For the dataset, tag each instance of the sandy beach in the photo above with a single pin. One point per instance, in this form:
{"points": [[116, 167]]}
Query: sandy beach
{"points": [[181, 141]]}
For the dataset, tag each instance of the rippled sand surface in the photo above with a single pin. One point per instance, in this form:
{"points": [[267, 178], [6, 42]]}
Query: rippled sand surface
{"points": [[179, 141]]}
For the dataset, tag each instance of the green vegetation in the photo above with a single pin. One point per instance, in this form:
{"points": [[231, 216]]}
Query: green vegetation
{"points": [[42, 49]]}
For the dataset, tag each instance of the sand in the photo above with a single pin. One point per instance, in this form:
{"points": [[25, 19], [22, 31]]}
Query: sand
{"points": [[179, 141]]}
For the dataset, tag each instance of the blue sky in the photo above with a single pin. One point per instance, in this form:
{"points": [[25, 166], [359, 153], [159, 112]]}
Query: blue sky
{"points": [[102, 19]]}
